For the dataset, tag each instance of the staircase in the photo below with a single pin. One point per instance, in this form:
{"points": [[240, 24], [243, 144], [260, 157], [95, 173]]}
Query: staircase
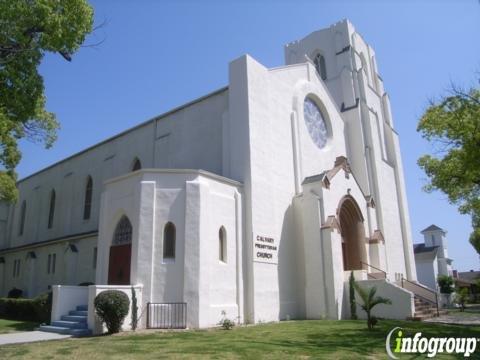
{"points": [[425, 310], [75, 323]]}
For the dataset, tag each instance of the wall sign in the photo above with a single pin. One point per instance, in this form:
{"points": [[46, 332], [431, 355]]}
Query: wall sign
{"points": [[265, 249]]}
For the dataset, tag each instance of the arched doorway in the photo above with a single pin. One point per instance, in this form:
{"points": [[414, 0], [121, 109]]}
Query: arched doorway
{"points": [[120, 254], [353, 234]]}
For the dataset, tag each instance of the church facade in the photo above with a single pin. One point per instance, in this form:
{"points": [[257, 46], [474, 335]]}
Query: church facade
{"points": [[258, 199]]}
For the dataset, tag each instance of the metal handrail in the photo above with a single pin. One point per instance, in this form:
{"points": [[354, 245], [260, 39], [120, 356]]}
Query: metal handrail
{"points": [[373, 267], [420, 296]]}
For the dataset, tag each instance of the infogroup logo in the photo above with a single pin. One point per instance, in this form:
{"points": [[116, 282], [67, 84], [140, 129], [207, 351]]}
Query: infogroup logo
{"points": [[431, 346]]}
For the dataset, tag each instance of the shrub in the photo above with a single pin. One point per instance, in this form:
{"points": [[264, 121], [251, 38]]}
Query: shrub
{"points": [[112, 307], [462, 298], [226, 323], [43, 307], [18, 309], [15, 293], [37, 309], [134, 309], [353, 303], [445, 283]]}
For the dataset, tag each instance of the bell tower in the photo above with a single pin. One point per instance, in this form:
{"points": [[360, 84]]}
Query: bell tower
{"points": [[346, 65]]}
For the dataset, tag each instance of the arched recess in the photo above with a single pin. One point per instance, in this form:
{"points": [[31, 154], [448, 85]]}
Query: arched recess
{"points": [[353, 234], [120, 253]]}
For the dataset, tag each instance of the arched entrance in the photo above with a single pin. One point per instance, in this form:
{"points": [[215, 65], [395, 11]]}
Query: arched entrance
{"points": [[120, 254], [353, 234]]}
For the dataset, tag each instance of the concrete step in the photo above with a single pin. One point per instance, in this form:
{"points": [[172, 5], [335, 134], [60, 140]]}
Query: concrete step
{"points": [[76, 318], [82, 308], [70, 324], [78, 312], [80, 332], [65, 330], [55, 329]]}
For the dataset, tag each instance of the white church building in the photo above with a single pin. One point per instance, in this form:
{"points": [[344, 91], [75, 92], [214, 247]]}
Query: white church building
{"points": [[258, 199], [431, 256]]}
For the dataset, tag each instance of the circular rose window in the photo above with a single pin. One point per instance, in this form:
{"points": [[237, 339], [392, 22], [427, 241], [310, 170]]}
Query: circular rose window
{"points": [[316, 125]]}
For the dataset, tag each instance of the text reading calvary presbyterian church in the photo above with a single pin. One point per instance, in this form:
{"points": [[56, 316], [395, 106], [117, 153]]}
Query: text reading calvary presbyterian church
{"points": [[265, 250]]}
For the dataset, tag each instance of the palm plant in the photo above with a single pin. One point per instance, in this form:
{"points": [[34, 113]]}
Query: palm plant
{"points": [[369, 302]]}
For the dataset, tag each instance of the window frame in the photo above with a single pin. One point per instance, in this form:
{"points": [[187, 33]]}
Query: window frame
{"points": [[222, 245], [23, 214], [87, 203], [51, 209], [169, 242], [320, 65]]}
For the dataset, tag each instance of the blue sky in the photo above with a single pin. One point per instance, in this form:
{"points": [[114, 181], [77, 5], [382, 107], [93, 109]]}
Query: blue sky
{"points": [[160, 54]]}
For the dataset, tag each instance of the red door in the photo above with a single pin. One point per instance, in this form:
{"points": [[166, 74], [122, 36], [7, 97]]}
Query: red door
{"points": [[119, 265]]}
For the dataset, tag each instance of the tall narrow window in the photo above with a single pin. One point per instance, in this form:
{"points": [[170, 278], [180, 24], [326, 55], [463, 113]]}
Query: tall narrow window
{"points": [[49, 263], [23, 211], [87, 206], [222, 245], [137, 165], [16, 268], [169, 241], [54, 260], [319, 62], [95, 252], [51, 212]]}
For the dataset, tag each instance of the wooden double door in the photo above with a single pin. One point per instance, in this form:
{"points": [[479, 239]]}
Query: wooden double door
{"points": [[119, 264]]}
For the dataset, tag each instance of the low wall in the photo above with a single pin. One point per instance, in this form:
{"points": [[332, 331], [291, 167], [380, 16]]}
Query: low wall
{"points": [[94, 322], [402, 307], [66, 298]]}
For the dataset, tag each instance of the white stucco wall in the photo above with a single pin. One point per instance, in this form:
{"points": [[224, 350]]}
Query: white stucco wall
{"points": [[427, 270], [198, 204]]}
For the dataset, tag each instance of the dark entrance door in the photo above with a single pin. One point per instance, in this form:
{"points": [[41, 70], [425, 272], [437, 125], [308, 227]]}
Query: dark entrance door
{"points": [[119, 265]]}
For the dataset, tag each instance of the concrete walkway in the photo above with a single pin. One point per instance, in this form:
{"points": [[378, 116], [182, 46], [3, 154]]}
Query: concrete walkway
{"points": [[30, 336], [457, 318]]}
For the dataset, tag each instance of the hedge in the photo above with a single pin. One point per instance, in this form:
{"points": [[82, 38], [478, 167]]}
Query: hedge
{"points": [[37, 309]]}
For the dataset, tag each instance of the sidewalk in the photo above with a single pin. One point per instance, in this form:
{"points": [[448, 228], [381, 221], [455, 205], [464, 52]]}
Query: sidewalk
{"points": [[29, 336]]}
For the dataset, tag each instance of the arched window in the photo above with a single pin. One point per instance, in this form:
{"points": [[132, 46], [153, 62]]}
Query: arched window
{"points": [[51, 211], [123, 232], [87, 205], [169, 241], [222, 245], [137, 165], [23, 211], [319, 62]]}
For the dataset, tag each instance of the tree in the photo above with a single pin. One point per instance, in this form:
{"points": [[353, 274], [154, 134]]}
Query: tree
{"points": [[29, 29], [369, 302], [452, 124], [445, 283], [353, 303], [461, 298]]}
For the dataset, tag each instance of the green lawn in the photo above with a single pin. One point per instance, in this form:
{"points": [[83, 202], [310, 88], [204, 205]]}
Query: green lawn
{"points": [[293, 339], [8, 326]]}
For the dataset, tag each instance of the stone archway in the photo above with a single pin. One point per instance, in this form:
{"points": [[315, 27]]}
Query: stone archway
{"points": [[353, 234], [120, 254]]}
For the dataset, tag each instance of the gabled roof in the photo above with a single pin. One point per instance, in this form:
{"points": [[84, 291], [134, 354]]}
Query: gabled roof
{"points": [[432, 228], [421, 248]]}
